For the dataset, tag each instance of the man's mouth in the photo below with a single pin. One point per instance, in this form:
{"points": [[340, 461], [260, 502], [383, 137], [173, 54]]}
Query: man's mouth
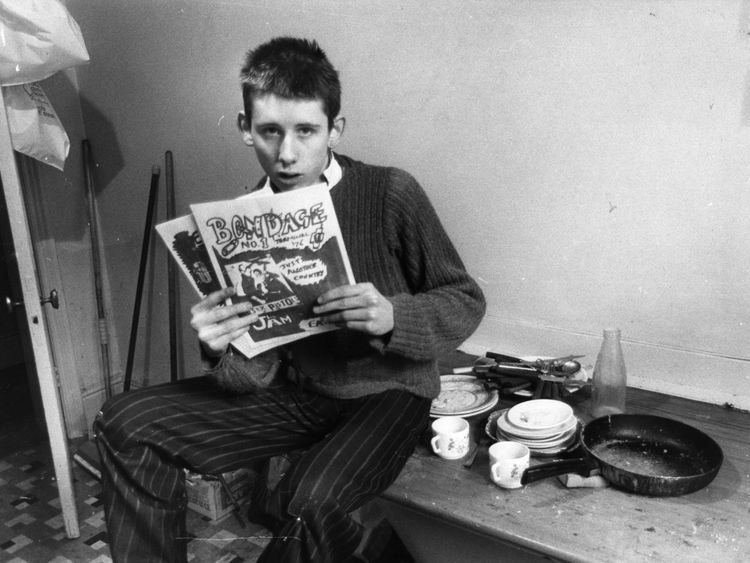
{"points": [[288, 177]]}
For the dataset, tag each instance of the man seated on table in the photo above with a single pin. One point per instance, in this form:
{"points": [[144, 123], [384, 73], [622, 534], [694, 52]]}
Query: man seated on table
{"points": [[353, 401]]}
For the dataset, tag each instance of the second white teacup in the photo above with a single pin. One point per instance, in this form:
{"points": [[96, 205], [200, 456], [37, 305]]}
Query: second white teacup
{"points": [[451, 437], [508, 461]]}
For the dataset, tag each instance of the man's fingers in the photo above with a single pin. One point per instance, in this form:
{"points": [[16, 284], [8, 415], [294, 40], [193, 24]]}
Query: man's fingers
{"points": [[344, 291], [212, 300], [347, 297], [219, 314], [359, 307], [349, 315], [218, 335], [233, 310], [337, 305], [217, 323], [233, 323]]}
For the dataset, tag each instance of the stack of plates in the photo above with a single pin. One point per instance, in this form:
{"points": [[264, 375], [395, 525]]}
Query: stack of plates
{"points": [[546, 426]]}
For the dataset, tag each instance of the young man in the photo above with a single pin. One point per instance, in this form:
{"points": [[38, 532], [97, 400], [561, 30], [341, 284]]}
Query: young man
{"points": [[350, 403]]}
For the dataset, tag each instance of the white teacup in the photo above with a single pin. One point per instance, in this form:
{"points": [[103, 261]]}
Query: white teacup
{"points": [[451, 437], [508, 461]]}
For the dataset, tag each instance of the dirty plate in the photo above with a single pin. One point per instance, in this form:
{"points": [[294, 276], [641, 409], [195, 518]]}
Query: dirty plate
{"points": [[462, 395]]}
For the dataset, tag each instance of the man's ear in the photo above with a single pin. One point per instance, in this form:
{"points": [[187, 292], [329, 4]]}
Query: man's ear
{"points": [[243, 124], [334, 136]]}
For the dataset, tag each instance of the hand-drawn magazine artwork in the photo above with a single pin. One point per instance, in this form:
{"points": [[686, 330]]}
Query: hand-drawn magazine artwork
{"points": [[184, 241], [186, 246], [280, 252]]}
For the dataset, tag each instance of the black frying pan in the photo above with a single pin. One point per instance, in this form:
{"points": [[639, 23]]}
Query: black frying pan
{"points": [[643, 454]]}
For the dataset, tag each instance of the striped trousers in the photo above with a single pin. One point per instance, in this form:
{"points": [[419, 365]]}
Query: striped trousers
{"points": [[350, 450]]}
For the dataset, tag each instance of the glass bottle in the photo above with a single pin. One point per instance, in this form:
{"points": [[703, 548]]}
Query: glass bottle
{"points": [[609, 381]]}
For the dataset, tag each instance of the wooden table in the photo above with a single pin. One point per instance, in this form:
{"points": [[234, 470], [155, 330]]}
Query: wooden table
{"points": [[446, 512]]}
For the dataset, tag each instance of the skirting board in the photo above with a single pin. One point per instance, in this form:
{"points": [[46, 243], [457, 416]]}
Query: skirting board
{"points": [[92, 403], [87, 457], [690, 374]]}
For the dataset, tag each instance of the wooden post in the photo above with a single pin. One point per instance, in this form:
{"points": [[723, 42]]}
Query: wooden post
{"points": [[37, 326]]}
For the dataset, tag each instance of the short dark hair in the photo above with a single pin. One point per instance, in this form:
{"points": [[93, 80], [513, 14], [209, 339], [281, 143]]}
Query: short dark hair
{"points": [[291, 68]]}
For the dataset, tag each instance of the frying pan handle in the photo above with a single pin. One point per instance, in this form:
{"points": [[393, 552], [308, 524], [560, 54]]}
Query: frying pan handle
{"points": [[537, 472]]}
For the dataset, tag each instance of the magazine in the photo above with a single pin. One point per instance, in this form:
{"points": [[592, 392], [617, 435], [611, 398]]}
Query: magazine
{"points": [[280, 251]]}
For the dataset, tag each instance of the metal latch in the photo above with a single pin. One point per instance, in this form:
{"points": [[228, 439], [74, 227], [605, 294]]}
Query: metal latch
{"points": [[53, 300]]}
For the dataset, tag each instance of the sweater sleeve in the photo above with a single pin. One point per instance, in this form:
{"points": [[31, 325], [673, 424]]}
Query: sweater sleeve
{"points": [[444, 304]]}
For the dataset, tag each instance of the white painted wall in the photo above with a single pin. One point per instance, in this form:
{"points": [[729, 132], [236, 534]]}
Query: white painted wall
{"points": [[589, 159]]}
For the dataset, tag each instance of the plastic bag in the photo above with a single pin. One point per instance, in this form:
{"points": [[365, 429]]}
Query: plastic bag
{"points": [[39, 37], [35, 129]]}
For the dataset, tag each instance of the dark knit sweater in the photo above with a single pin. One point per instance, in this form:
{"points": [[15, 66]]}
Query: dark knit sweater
{"points": [[395, 241]]}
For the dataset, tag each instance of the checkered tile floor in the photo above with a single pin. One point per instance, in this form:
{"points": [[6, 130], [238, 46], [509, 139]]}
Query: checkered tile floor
{"points": [[32, 530]]}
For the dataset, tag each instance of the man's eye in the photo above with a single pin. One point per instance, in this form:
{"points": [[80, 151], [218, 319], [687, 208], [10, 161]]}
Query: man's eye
{"points": [[270, 132], [305, 131]]}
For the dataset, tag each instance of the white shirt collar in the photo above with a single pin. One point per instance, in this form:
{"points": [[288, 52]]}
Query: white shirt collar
{"points": [[331, 175]]}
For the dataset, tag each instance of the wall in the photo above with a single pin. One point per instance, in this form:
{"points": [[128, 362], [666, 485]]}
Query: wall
{"points": [[588, 159]]}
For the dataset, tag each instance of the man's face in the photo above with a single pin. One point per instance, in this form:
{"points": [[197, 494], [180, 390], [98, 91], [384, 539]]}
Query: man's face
{"points": [[291, 139]]}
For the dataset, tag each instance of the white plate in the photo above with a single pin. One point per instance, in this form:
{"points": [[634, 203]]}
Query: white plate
{"points": [[554, 450], [550, 442], [511, 429], [541, 415], [493, 431], [462, 395]]}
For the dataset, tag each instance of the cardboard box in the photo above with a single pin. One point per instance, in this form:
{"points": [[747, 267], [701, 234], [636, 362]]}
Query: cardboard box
{"points": [[207, 496]]}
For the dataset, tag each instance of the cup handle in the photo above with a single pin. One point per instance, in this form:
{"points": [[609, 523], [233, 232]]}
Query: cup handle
{"points": [[434, 444], [495, 470]]}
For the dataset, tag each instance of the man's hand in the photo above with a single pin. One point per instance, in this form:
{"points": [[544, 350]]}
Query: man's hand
{"points": [[358, 307], [218, 326]]}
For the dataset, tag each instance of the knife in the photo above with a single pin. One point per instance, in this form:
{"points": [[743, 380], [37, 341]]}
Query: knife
{"points": [[503, 358], [471, 456]]}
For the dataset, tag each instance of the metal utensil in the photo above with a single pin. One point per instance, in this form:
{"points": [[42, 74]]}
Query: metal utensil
{"points": [[562, 366], [565, 365], [471, 456]]}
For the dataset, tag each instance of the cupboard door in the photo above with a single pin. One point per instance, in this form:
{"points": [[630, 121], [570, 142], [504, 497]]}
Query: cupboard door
{"points": [[37, 326]]}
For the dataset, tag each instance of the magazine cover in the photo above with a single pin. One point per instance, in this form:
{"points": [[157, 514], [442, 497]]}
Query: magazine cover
{"points": [[186, 246], [280, 252]]}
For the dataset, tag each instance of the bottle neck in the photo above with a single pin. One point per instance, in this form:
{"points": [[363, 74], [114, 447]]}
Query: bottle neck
{"points": [[612, 333]]}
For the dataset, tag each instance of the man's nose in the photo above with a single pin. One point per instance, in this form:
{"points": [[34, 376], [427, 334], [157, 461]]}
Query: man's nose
{"points": [[287, 150]]}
